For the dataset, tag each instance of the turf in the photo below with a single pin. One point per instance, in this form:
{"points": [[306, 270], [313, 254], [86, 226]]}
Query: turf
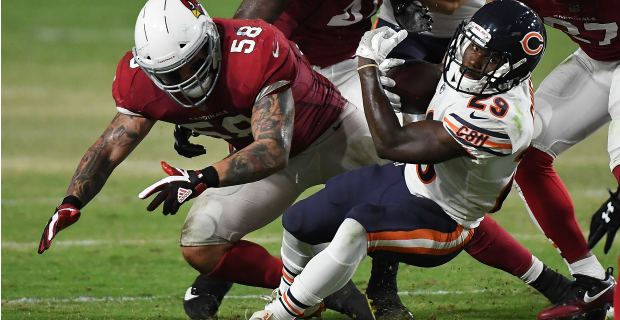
{"points": [[120, 261]]}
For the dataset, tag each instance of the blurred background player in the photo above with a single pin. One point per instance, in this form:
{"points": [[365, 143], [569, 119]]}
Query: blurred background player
{"points": [[415, 213]]}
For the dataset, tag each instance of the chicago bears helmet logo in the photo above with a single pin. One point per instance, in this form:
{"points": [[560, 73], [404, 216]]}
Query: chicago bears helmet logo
{"points": [[532, 43], [194, 6]]}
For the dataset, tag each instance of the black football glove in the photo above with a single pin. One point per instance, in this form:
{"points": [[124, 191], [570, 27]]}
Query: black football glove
{"points": [[412, 16], [182, 144], [179, 187], [606, 220]]}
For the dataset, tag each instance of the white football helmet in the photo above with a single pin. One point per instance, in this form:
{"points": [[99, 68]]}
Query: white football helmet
{"points": [[178, 46]]}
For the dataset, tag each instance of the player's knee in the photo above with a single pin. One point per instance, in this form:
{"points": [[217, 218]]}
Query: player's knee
{"points": [[204, 258], [350, 243]]}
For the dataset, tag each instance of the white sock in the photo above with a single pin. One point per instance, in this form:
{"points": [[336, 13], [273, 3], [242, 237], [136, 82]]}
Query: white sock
{"points": [[589, 267], [326, 273], [533, 272], [295, 255]]}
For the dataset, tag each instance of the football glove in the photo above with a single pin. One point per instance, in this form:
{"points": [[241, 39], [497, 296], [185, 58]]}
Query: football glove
{"points": [[179, 187], [606, 220], [182, 144], [377, 43], [386, 82], [65, 215], [412, 16]]}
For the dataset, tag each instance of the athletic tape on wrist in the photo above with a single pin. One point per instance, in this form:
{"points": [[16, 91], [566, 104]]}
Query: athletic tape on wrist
{"points": [[210, 177]]}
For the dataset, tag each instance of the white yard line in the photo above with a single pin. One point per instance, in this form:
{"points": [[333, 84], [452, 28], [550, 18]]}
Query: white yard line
{"points": [[246, 297]]}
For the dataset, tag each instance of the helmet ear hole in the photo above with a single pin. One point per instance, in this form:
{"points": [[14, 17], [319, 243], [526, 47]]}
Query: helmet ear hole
{"points": [[182, 45]]}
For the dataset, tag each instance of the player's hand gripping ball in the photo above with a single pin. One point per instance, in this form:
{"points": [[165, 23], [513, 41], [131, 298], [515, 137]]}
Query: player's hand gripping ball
{"points": [[415, 84]]}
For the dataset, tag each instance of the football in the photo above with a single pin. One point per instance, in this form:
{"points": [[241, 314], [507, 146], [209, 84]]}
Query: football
{"points": [[416, 81]]}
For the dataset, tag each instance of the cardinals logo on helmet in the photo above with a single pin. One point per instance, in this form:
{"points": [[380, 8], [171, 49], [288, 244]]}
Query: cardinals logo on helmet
{"points": [[194, 6], [532, 43]]}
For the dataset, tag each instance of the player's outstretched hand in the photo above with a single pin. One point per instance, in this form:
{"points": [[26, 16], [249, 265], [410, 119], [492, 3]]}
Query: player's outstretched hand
{"points": [[413, 16], [377, 43], [606, 220], [182, 144], [64, 216], [179, 187]]}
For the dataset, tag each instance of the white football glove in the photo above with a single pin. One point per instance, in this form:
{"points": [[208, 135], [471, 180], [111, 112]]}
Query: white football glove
{"points": [[377, 43], [386, 82]]}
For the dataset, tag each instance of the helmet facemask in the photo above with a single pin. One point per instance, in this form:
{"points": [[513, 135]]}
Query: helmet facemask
{"points": [[486, 81], [203, 60]]}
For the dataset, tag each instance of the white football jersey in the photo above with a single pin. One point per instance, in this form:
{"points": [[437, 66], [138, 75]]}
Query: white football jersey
{"points": [[495, 131]]}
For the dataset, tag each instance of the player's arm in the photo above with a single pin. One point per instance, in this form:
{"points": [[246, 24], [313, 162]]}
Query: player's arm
{"points": [[268, 10], [419, 142], [272, 129], [118, 140], [442, 6]]}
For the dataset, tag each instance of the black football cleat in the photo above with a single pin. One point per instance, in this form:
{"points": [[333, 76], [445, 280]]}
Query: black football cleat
{"points": [[551, 284], [204, 297], [584, 297], [382, 292], [350, 301]]}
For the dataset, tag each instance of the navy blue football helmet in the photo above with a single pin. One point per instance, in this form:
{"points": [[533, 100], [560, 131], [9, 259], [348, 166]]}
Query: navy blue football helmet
{"points": [[509, 32]]}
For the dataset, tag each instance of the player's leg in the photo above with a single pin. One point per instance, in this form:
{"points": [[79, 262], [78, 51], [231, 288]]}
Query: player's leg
{"points": [[571, 104], [495, 247]]}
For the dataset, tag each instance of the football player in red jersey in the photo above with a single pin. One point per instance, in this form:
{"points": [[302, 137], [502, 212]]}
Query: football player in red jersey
{"points": [[575, 100], [241, 81]]}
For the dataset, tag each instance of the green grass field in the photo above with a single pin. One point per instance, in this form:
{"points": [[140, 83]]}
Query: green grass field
{"points": [[120, 261]]}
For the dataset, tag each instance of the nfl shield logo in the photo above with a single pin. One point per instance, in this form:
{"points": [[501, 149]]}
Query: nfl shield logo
{"points": [[573, 8]]}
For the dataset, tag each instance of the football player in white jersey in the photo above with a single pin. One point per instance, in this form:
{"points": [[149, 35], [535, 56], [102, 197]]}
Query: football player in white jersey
{"points": [[460, 162]]}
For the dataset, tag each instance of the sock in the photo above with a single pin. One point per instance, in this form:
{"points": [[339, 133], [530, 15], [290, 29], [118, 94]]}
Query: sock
{"points": [[383, 275], [549, 202], [249, 264], [533, 272], [589, 267], [495, 247], [325, 273], [295, 255], [616, 173]]}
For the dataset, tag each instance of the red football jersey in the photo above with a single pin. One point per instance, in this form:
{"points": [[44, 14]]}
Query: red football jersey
{"points": [[327, 31], [591, 24], [255, 56]]}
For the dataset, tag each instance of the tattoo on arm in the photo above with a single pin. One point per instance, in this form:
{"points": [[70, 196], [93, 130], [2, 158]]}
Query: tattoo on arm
{"points": [[272, 128], [118, 140]]}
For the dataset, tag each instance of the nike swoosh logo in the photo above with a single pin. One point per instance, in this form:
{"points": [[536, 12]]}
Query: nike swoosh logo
{"points": [[189, 295], [276, 53], [588, 299], [473, 116]]}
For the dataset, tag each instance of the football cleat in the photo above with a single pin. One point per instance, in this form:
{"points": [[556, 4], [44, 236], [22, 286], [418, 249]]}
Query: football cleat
{"points": [[204, 297], [585, 296], [551, 284], [263, 315], [350, 301], [314, 311]]}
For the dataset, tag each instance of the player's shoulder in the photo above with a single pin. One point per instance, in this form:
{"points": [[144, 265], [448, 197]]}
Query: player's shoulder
{"points": [[132, 88], [498, 124]]}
